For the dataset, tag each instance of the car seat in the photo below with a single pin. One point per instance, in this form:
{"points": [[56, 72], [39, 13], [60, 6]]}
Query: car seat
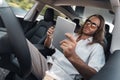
{"points": [[37, 34], [77, 28], [108, 37]]}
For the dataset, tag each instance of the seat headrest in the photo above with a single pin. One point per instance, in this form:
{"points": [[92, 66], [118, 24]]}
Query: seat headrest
{"points": [[107, 27], [49, 14], [76, 21]]}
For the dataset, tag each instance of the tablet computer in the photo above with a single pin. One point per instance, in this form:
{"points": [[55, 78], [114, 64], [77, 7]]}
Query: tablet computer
{"points": [[62, 26]]}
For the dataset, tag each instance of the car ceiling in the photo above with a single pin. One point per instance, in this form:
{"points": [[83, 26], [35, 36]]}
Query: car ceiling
{"points": [[66, 5], [93, 3]]}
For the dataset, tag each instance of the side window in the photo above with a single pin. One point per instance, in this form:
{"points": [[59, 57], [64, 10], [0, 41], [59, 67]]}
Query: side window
{"points": [[20, 7]]}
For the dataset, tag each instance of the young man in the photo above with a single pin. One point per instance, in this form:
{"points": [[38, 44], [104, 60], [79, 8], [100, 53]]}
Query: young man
{"points": [[83, 53]]}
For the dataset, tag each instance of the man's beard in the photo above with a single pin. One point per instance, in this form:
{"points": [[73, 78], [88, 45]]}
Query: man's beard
{"points": [[90, 34]]}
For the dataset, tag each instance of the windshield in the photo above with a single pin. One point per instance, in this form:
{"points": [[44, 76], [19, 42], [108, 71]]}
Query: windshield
{"points": [[3, 3]]}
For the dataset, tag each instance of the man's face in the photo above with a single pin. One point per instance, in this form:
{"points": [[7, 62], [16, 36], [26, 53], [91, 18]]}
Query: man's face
{"points": [[91, 26]]}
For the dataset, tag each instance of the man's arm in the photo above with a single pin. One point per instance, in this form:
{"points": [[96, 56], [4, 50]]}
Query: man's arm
{"points": [[68, 47], [86, 71], [49, 37], [47, 42]]}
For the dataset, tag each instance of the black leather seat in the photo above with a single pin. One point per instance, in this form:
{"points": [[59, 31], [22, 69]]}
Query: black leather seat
{"points": [[37, 34], [108, 37], [77, 28]]}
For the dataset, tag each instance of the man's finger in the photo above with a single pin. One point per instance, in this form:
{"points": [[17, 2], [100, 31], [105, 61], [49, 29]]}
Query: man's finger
{"points": [[70, 37], [66, 41]]}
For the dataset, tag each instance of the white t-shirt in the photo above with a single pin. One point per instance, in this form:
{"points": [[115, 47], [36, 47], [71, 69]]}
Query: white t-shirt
{"points": [[93, 55]]}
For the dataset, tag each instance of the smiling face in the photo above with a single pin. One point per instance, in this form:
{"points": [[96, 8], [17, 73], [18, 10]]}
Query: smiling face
{"points": [[91, 25]]}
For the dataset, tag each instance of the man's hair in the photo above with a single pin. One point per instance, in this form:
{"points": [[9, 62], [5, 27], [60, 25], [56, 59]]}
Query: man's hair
{"points": [[98, 36]]}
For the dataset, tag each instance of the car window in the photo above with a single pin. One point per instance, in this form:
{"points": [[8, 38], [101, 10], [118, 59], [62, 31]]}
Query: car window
{"points": [[20, 7]]}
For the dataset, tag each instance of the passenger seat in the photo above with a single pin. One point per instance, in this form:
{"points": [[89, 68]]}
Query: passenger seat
{"points": [[37, 34]]}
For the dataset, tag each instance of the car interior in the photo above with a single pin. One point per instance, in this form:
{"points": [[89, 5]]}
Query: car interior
{"points": [[14, 31], [38, 34]]}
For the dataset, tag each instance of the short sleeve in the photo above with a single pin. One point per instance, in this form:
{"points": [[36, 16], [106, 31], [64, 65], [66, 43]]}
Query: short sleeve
{"points": [[97, 58]]}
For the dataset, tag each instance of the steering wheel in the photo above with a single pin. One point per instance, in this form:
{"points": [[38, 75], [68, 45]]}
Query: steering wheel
{"points": [[14, 42]]}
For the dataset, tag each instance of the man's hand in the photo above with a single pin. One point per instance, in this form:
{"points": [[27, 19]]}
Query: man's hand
{"points": [[50, 32], [68, 45], [49, 37]]}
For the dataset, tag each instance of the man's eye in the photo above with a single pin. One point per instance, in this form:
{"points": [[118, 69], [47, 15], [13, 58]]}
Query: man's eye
{"points": [[93, 25]]}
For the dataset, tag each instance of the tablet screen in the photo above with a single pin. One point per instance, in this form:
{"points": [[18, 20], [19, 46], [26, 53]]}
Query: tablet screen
{"points": [[62, 26]]}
